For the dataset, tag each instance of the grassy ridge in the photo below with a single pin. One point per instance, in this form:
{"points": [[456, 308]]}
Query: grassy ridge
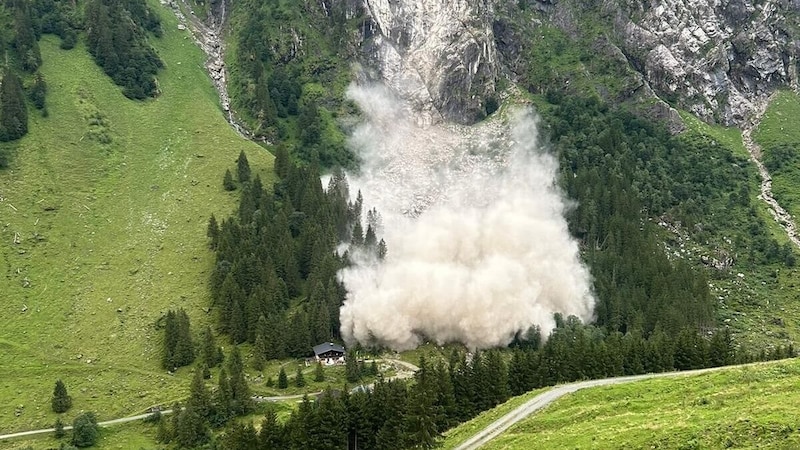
{"points": [[740, 407], [110, 199]]}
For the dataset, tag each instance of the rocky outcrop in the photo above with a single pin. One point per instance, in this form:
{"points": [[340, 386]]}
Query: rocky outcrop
{"points": [[438, 55], [714, 57]]}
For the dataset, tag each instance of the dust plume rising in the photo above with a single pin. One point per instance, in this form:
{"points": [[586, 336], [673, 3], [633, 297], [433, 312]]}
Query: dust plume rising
{"points": [[478, 247]]}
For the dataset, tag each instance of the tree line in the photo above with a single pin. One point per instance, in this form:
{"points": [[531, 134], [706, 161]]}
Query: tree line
{"points": [[445, 392], [274, 283], [288, 81], [116, 34]]}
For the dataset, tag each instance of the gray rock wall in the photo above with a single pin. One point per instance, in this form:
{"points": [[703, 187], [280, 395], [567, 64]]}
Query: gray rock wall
{"points": [[437, 54], [716, 57]]}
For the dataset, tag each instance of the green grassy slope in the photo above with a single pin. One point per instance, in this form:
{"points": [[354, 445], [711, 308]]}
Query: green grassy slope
{"points": [[761, 308], [745, 407], [111, 234], [779, 137]]}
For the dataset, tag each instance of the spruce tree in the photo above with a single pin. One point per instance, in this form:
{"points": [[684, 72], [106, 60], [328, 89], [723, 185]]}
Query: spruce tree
{"points": [[222, 400], [238, 326], [270, 437], [61, 401], [13, 112], [319, 373], [299, 379], [283, 381], [58, 428], [351, 368], [282, 162], [213, 231], [241, 401], [84, 430], [258, 352], [243, 168], [227, 181], [192, 428], [184, 347], [170, 341], [199, 397], [420, 419], [210, 352]]}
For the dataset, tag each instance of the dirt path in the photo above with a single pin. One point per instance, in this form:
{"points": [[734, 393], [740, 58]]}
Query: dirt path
{"points": [[69, 427], [542, 400], [404, 370], [780, 215]]}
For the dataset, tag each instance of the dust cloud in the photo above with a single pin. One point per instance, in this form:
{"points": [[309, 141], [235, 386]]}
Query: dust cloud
{"points": [[478, 247]]}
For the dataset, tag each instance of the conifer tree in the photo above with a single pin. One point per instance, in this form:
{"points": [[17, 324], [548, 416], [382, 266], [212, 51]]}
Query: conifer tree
{"points": [[243, 168], [61, 401], [199, 397], [357, 240], [420, 419], [58, 428], [370, 240], [299, 379], [239, 436], [282, 162], [270, 437], [351, 368], [331, 415], [319, 373], [222, 400], [37, 91], [210, 352], [241, 401], [227, 181], [13, 112], [259, 352], [84, 430], [283, 381], [184, 347], [382, 249], [238, 326], [213, 232], [192, 428]]}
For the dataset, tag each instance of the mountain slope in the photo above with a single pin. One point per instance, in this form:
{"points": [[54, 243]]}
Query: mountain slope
{"points": [[739, 407], [109, 200]]}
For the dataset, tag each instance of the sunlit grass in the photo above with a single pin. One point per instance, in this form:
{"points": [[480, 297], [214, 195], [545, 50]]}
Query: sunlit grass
{"points": [[112, 235]]}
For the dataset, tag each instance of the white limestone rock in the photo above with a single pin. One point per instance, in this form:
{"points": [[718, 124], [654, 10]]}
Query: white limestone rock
{"points": [[438, 55]]}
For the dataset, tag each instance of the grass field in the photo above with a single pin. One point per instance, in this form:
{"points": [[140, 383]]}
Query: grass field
{"points": [[466, 430], [751, 407], [109, 201]]}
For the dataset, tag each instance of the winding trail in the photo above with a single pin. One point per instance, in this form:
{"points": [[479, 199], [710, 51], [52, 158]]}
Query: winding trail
{"points": [[780, 215], [404, 370], [544, 399]]}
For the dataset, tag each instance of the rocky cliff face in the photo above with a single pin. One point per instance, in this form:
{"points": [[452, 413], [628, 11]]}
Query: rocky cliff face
{"points": [[714, 57], [437, 54]]}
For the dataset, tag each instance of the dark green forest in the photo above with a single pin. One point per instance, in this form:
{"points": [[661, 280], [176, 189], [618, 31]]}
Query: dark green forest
{"points": [[274, 284], [288, 93]]}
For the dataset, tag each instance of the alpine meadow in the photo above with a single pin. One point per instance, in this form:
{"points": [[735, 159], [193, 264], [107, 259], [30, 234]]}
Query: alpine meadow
{"points": [[386, 224]]}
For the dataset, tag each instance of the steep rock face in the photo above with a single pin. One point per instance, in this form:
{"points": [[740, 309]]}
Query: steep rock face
{"points": [[715, 57], [437, 54]]}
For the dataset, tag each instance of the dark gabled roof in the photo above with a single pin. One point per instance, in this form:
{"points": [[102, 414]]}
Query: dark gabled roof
{"points": [[327, 347]]}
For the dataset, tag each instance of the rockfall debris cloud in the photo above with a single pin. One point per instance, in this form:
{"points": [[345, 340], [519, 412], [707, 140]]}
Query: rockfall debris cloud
{"points": [[478, 247]]}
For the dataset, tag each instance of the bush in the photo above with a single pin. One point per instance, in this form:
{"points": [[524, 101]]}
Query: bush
{"points": [[84, 430]]}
